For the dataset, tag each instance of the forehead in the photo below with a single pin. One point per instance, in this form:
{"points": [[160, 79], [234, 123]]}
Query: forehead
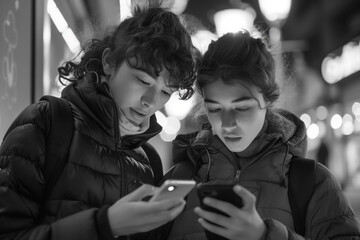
{"points": [[154, 72], [221, 90]]}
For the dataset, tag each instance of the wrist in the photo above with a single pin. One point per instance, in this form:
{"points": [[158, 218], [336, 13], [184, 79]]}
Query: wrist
{"points": [[111, 221], [103, 224]]}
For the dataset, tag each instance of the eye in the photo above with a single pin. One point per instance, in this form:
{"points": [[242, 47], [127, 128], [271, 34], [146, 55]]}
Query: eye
{"points": [[243, 109], [142, 81], [166, 93], [214, 110]]}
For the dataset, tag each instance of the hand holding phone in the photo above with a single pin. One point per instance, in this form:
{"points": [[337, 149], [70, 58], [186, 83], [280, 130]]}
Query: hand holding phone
{"points": [[245, 222], [223, 192], [173, 189]]}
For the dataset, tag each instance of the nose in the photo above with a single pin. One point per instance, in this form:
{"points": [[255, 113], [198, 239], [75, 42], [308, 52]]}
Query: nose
{"points": [[228, 120], [149, 98]]}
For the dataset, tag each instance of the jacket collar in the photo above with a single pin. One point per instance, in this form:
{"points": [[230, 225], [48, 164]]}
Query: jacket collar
{"points": [[95, 100], [281, 128]]}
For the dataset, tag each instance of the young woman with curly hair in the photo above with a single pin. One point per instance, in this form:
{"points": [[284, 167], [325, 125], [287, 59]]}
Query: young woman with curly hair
{"points": [[114, 92]]}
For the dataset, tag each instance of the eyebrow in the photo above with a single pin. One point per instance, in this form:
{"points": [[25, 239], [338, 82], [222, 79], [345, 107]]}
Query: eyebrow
{"points": [[240, 99], [147, 71], [174, 87]]}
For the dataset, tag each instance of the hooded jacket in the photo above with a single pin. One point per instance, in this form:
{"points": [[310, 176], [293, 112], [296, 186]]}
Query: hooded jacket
{"points": [[102, 167], [263, 169]]}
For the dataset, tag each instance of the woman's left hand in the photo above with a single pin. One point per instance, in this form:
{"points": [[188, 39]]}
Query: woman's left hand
{"points": [[242, 223]]}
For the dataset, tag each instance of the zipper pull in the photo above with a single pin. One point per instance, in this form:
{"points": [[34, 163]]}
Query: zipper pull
{"points": [[237, 176]]}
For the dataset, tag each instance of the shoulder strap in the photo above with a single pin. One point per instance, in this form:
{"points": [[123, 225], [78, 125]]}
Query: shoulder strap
{"points": [[58, 140], [301, 187], [155, 161]]}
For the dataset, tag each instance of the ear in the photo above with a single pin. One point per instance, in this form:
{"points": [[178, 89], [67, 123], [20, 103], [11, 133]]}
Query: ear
{"points": [[106, 63]]}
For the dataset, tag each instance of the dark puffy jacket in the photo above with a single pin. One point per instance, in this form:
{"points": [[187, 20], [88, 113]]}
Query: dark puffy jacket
{"points": [[101, 168], [263, 169]]}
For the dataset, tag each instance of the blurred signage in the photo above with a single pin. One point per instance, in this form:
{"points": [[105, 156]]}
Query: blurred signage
{"points": [[16, 59], [337, 66]]}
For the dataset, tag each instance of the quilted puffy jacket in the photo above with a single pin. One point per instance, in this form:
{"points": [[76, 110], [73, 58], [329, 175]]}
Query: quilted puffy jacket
{"points": [[263, 169], [102, 167]]}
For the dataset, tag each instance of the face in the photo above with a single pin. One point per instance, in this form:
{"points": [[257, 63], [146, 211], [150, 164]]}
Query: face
{"points": [[138, 93], [234, 113]]}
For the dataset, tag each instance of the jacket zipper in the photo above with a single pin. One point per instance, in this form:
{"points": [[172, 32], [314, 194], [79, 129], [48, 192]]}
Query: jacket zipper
{"points": [[122, 189], [238, 171], [237, 176], [235, 164], [116, 127]]}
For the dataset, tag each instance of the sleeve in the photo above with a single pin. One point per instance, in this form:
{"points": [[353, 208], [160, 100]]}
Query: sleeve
{"points": [[21, 181], [329, 215], [22, 154]]}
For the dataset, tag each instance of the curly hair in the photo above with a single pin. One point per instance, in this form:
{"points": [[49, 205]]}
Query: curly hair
{"points": [[239, 58], [155, 38]]}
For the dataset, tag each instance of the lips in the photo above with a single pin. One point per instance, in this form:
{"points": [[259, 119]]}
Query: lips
{"points": [[231, 136], [232, 139], [136, 116], [139, 112]]}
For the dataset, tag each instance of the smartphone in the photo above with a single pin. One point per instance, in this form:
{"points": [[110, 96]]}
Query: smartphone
{"points": [[223, 192], [173, 189]]}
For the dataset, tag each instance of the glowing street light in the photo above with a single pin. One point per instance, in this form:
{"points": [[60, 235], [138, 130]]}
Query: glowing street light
{"points": [[234, 20], [275, 10], [239, 18]]}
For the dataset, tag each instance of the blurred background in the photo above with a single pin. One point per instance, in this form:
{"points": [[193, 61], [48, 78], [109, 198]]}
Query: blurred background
{"points": [[316, 43]]}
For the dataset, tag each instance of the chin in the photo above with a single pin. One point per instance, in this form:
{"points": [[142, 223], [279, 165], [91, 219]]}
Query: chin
{"points": [[236, 147]]}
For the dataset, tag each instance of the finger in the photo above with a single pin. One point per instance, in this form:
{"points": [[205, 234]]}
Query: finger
{"points": [[162, 217], [165, 205], [219, 219], [248, 198], [141, 192], [151, 227], [223, 206], [213, 228], [177, 210]]}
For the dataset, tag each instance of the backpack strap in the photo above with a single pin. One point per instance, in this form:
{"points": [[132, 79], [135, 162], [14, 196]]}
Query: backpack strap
{"points": [[155, 161], [301, 188], [58, 140]]}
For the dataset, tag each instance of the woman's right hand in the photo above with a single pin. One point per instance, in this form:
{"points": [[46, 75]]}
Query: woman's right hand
{"points": [[131, 215], [241, 223]]}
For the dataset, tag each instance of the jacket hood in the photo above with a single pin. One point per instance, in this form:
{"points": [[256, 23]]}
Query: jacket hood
{"points": [[289, 129], [95, 100], [281, 127]]}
